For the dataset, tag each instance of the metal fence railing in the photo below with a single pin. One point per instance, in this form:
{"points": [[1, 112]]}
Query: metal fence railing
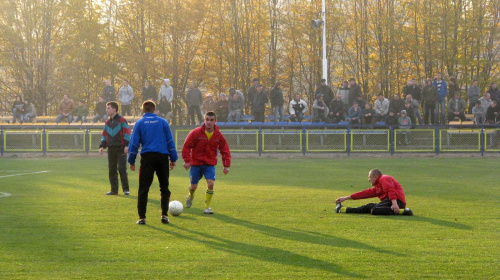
{"points": [[269, 139]]}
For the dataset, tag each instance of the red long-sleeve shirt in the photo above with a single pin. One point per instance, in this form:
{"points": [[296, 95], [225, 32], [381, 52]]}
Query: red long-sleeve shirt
{"points": [[198, 150], [386, 187]]}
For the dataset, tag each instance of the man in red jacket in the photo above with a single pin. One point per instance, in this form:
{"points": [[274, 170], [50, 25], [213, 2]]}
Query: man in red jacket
{"points": [[387, 189], [200, 154]]}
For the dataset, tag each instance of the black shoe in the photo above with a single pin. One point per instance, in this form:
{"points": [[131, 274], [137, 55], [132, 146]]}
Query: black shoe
{"points": [[141, 222], [164, 220], [111, 193], [337, 208], [407, 212], [126, 192]]}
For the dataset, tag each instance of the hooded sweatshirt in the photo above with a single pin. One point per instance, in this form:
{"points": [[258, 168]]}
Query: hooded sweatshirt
{"points": [[166, 91]]}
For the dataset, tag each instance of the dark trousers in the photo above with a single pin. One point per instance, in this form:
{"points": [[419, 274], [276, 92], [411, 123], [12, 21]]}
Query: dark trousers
{"points": [[126, 110], [191, 111], [117, 161], [151, 163], [381, 208], [451, 116], [429, 113], [259, 116]]}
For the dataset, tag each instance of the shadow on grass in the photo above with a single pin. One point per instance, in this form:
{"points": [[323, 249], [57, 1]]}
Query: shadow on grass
{"points": [[305, 236], [259, 252], [434, 221]]}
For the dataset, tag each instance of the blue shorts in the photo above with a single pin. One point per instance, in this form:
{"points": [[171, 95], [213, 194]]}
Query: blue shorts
{"points": [[198, 171]]}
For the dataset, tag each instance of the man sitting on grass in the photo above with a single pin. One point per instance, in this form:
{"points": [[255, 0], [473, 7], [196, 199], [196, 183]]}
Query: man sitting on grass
{"points": [[390, 192]]}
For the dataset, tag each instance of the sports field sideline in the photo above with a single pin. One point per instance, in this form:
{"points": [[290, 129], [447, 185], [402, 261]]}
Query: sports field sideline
{"points": [[273, 220]]}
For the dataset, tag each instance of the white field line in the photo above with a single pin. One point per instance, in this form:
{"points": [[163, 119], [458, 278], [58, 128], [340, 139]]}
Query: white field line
{"points": [[4, 194], [21, 174]]}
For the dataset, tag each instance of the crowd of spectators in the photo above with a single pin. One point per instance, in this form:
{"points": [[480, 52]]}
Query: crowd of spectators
{"points": [[435, 102]]}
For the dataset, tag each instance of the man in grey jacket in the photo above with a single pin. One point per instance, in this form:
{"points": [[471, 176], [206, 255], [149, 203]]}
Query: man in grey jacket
{"points": [[126, 95], [194, 99], [381, 108], [473, 93]]}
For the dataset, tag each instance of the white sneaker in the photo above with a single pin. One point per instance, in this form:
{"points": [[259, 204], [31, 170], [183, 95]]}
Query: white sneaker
{"points": [[189, 201], [208, 211]]}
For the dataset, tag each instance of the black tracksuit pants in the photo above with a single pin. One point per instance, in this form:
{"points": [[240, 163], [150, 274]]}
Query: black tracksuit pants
{"points": [[381, 208], [151, 163], [117, 161]]}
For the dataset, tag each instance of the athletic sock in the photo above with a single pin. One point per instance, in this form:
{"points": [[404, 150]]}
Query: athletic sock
{"points": [[191, 193], [342, 209], [208, 197]]}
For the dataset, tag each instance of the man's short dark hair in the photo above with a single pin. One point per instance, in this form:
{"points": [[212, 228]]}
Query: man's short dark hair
{"points": [[255, 80], [376, 172], [113, 104], [479, 102], [148, 106], [211, 114], [352, 80], [381, 94], [322, 80]]}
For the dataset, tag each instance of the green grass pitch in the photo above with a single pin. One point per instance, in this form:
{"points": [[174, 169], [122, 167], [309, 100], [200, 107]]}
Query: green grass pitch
{"points": [[273, 220]]}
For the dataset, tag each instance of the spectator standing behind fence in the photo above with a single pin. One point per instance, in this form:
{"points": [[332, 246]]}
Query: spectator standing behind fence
{"points": [[396, 105], [320, 110], [252, 91], [343, 90], [126, 95], [222, 108], [479, 113], [18, 109], [194, 99], [109, 92], [338, 109], [100, 110], [404, 122], [148, 92], [442, 89], [164, 109], [236, 104], [381, 108], [259, 104], [492, 113], [413, 89], [355, 114], [116, 137], [354, 91], [66, 109], [29, 111], [166, 91], [81, 112], [452, 88], [277, 102], [368, 115], [297, 108], [473, 93], [456, 107], [209, 104], [494, 92], [429, 99], [324, 90]]}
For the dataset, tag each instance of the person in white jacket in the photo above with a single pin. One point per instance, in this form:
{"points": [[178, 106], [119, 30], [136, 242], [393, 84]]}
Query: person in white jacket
{"points": [[297, 109], [166, 91], [381, 107]]}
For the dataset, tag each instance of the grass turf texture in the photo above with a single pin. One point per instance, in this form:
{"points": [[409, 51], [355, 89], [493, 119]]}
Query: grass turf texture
{"points": [[273, 220]]}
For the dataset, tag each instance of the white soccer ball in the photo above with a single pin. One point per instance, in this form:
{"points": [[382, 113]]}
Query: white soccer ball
{"points": [[175, 208]]}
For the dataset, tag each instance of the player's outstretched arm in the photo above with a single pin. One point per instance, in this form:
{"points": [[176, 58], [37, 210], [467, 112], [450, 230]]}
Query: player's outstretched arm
{"points": [[342, 199]]}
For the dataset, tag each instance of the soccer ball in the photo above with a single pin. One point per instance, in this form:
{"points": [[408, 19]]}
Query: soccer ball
{"points": [[175, 208]]}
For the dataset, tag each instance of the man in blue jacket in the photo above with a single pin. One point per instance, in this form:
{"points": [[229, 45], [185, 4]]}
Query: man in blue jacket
{"points": [[442, 87], [154, 135]]}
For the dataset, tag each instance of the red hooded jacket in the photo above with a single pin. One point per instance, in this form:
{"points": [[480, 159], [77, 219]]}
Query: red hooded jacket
{"points": [[386, 187], [198, 150]]}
